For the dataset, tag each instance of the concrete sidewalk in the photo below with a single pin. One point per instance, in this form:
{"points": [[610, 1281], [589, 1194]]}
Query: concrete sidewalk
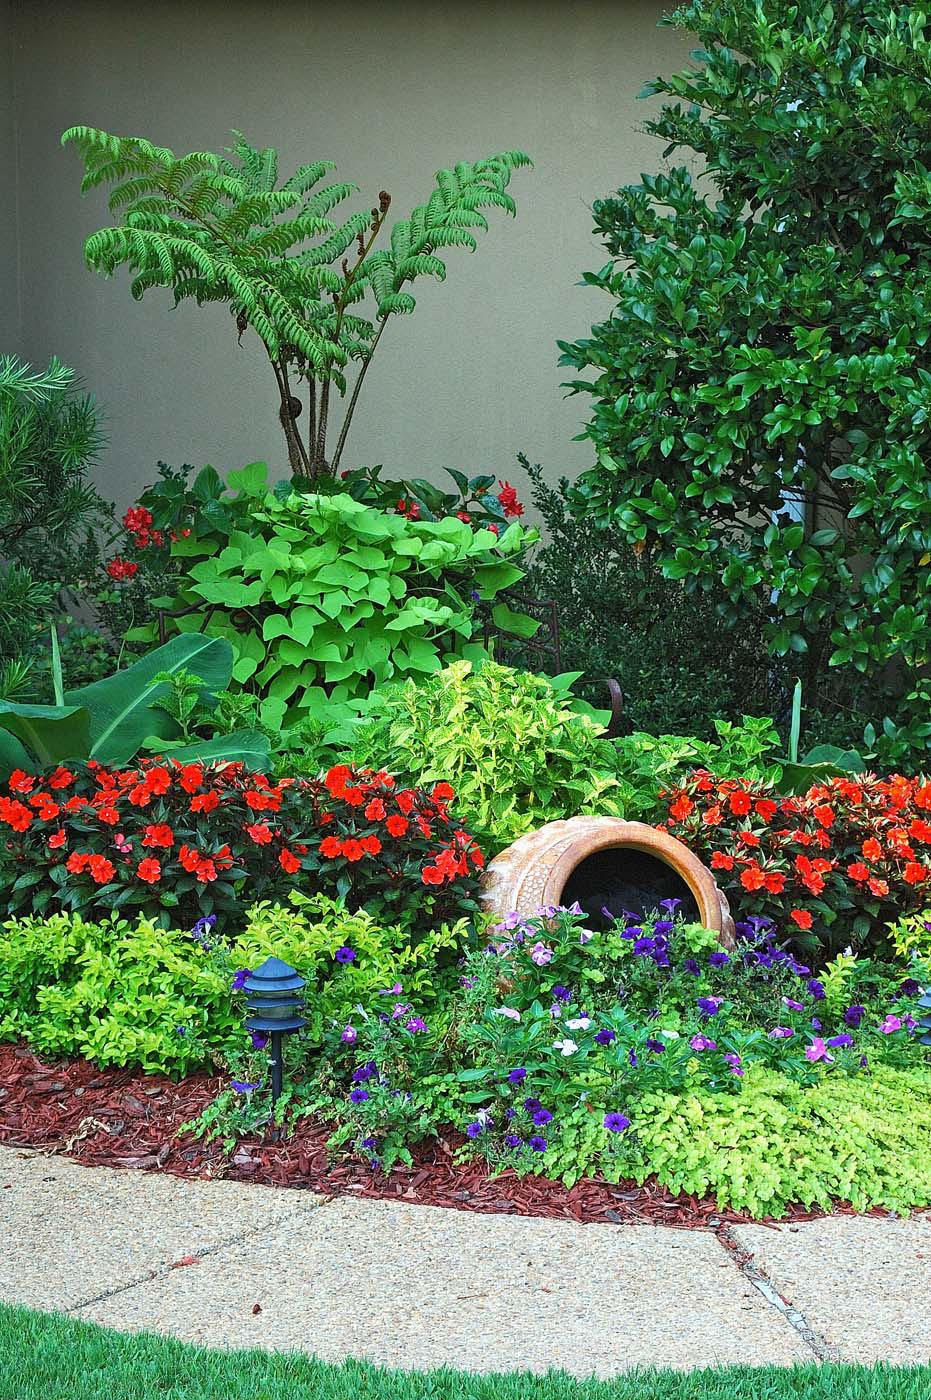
{"points": [[233, 1265]]}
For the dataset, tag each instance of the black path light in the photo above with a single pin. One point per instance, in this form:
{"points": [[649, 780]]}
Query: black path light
{"points": [[274, 1003], [924, 1022]]}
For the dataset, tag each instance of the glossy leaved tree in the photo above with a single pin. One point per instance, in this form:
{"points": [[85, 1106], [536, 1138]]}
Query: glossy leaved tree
{"points": [[317, 290], [761, 386]]}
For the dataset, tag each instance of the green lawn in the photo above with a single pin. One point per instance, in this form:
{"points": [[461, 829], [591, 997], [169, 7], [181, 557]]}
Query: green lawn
{"points": [[47, 1357]]}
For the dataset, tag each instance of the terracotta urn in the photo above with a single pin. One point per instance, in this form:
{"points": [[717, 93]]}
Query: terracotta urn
{"points": [[604, 863]]}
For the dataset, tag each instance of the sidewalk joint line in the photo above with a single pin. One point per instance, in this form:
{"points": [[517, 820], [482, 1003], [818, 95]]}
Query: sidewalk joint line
{"points": [[164, 1269], [743, 1260]]}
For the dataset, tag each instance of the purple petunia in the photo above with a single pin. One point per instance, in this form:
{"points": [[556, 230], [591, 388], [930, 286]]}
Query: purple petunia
{"points": [[345, 954], [542, 1117], [817, 1050], [259, 1041], [512, 1140], [700, 1043], [736, 1066], [853, 1016], [532, 1105], [616, 1122], [910, 988], [718, 959], [239, 978], [691, 967], [538, 1143], [605, 1036], [358, 1095], [670, 905], [350, 1035], [840, 1042], [816, 989], [781, 1033], [241, 1087], [709, 1006], [415, 1024], [365, 1072], [474, 1130], [792, 1005], [562, 994], [517, 1076], [643, 946], [656, 1046]]}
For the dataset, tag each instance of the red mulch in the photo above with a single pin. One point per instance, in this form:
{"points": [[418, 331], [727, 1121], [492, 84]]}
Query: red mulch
{"points": [[118, 1118]]}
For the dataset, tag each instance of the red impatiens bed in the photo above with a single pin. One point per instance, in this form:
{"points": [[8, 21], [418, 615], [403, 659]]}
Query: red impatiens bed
{"points": [[188, 840], [854, 851]]}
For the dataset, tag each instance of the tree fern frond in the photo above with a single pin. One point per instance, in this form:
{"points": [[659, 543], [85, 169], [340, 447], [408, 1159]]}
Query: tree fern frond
{"points": [[306, 176]]}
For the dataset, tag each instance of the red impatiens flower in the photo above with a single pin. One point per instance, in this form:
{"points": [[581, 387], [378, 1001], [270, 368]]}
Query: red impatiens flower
{"points": [[443, 792], [405, 801], [914, 872], [205, 802], [370, 845], [58, 839], [109, 816], [752, 878], [15, 814], [331, 847], [61, 778], [337, 778], [159, 835], [288, 862], [149, 870], [191, 777], [121, 569], [375, 811], [353, 850], [431, 875], [101, 869], [681, 808], [20, 782], [739, 803], [259, 833], [189, 858], [397, 826], [801, 917], [507, 499], [205, 872]]}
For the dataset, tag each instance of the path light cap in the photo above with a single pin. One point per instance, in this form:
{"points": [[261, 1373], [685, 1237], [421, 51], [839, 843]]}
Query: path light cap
{"points": [[274, 998], [924, 1022]]}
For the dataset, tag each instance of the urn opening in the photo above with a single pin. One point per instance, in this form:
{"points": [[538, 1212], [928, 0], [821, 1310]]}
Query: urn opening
{"points": [[625, 879]]}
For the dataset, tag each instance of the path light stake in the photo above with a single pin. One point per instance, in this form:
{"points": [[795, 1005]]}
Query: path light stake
{"points": [[274, 1002], [924, 1022]]}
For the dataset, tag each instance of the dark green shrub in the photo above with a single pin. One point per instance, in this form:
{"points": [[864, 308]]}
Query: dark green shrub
{"points": [[680, 661], [759, 388]]}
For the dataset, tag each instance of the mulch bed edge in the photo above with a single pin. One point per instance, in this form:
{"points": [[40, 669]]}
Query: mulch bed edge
{"points": [[121, 1118]]}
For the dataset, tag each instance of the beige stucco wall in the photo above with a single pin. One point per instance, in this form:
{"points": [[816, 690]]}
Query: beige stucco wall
{"points": [[390, 91]]}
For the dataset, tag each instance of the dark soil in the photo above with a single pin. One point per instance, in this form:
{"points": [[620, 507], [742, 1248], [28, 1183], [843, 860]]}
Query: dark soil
{"points": [[119, 1118]]}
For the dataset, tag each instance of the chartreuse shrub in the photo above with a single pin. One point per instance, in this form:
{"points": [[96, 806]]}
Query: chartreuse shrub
{"points": [[866, 1140], [911, 936], [765, 344], [322, 596], [520, 753], [509, 742], [124, 991]]}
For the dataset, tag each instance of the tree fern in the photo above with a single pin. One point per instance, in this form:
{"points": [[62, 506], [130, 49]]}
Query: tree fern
{"points": [[220, 228]]}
